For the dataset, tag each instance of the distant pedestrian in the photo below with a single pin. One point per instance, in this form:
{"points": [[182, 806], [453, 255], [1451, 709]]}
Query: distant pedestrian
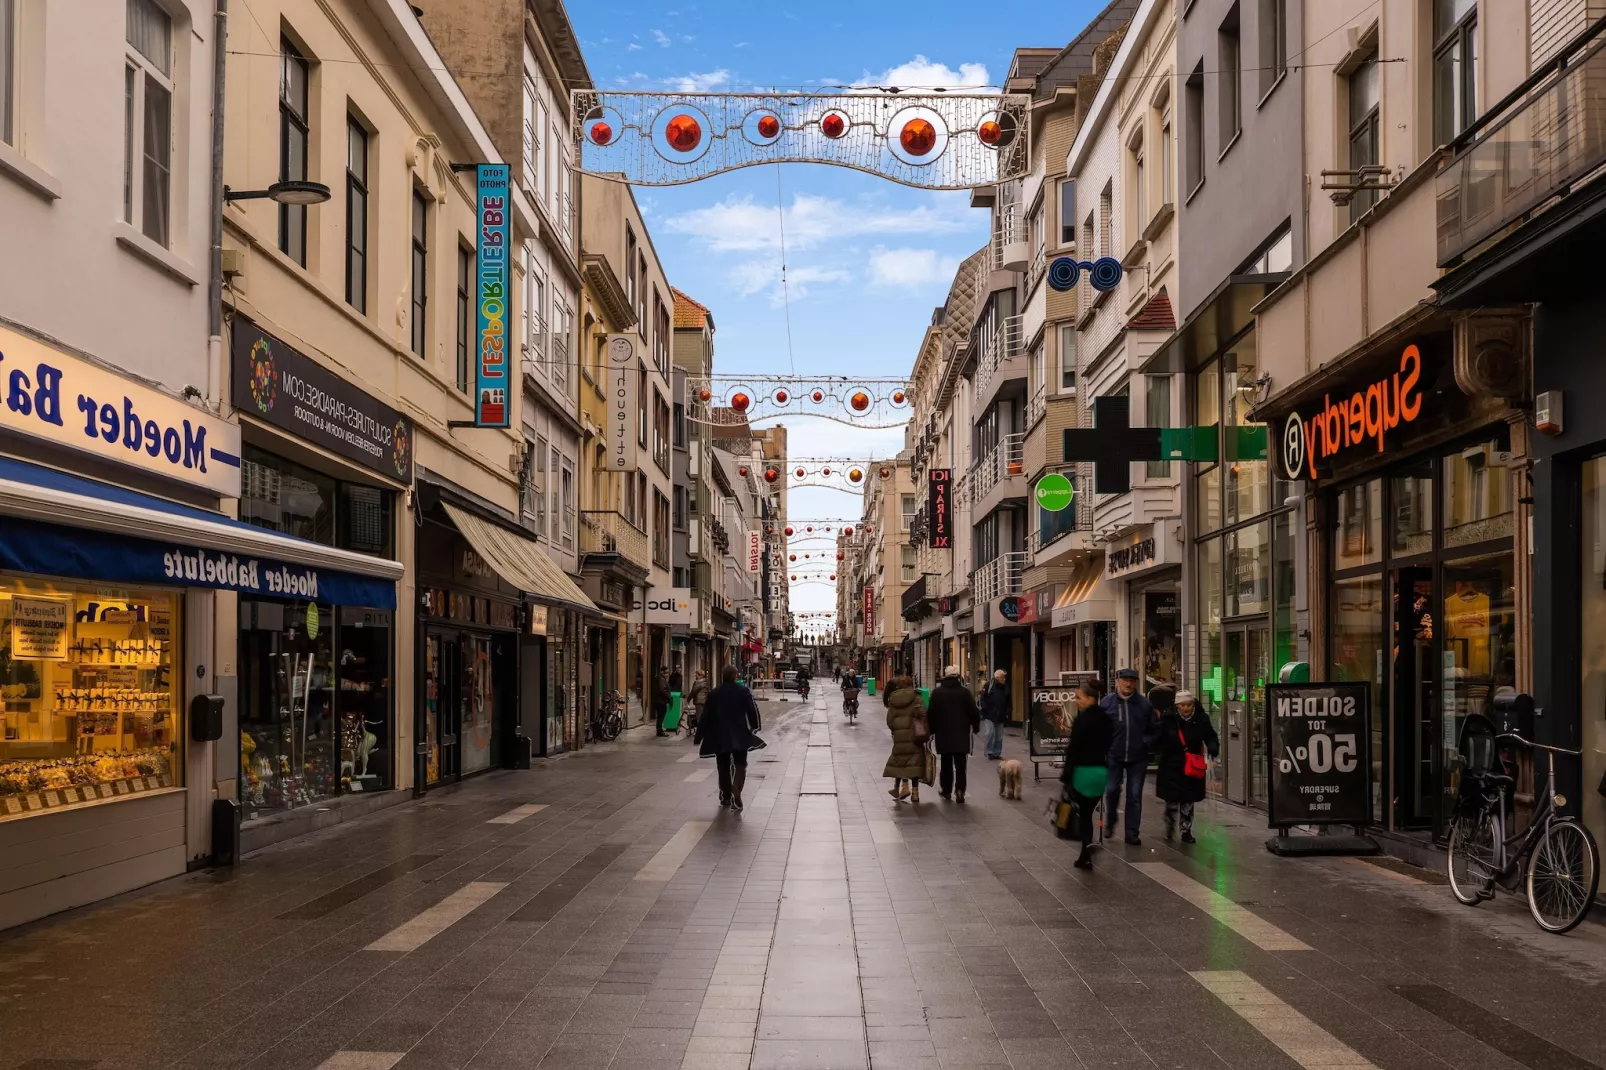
{"points": [[1085, 771], [836, 674], [725, 733], [677, 682], [906, 717], [696, 699], [953, 719], [995, 709], [1135, 730], [660, 698], [1186, 737]]}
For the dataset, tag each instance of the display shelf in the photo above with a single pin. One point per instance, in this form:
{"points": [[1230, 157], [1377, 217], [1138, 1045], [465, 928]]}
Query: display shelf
{"points": [[76, 794]]}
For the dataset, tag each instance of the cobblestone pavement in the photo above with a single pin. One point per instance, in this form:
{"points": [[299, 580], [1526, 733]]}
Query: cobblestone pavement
{"points": [[600, 911]]}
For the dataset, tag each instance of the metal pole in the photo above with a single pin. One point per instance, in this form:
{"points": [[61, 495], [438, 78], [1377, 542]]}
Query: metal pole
{"points": [[214, 281]]}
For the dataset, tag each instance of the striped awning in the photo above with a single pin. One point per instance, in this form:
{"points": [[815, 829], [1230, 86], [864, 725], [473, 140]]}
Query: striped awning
{"points": [[519, 561]]}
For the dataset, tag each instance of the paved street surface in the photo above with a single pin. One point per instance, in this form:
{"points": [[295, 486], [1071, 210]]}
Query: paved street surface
{"points": [[601, 912]]}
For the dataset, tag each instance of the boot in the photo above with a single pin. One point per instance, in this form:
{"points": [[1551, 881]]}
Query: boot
{"points": [[1170, 826], [914, 791], [1085, 859], [738, 778]]}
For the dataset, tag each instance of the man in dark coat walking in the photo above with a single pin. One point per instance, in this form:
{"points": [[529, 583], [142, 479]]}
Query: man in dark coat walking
{"points": [[725, 730], [660, 697], [1135, 729], [995, 711], [952, 718]]}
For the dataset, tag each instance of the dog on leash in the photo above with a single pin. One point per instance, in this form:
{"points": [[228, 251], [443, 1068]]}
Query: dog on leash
{"points": [[1009, 779]]}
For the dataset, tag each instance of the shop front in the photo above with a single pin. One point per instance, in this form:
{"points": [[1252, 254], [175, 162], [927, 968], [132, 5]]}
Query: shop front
{"points": [[1146, 567], [1082, 624], [1421, 581]]}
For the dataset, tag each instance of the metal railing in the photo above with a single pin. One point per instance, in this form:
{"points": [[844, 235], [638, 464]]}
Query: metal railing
{"points": [[1551, 136], [1009, 228], [604, 531], [996, 349], [1004, 461], [1000, 576], [1037, 406]]}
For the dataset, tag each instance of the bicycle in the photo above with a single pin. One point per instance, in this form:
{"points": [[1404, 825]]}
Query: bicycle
{"points": [[1555, 853], [850, 704], [605, 724]]}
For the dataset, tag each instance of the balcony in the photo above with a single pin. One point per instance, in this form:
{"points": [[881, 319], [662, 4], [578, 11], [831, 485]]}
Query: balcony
{"points": [[1008, 250], [607, 538], [999, 577], [998, 351], [1552, 135], [998, 475]]}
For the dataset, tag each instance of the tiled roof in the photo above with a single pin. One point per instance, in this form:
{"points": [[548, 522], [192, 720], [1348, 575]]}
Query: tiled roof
{"points": [[689, 313], [1156, 315]]}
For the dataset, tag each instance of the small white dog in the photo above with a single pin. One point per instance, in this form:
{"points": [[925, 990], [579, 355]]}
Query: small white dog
{"points": [[1009, 779]]}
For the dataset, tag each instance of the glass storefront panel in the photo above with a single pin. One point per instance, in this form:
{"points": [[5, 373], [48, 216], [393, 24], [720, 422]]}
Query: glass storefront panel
{"points": [[1593, 637], [479, 704], [1477, 496], [1162, 640], [288, 740], [1209, 500], [1248, 579], [1479, 648], [1356, 654], [1411, 511], [364, 642], [87, 709], [1359, 538], [1210, 688], [1285, 643]]}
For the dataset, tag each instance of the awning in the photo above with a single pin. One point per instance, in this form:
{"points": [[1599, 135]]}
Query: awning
{"points": [[519, 561], [59, 524], [1087, 597], [1223, 316]]}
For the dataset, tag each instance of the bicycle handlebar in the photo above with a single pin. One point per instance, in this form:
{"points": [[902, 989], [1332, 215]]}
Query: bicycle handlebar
{"points": [[1538, 746]]}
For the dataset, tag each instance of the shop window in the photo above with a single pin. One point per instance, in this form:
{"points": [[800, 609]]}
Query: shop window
{"points": [[1246, 481], [1477, 496], [1157, 413], [288, 735], [283, 496], [1209, 681], [1592, 636], [1209, 499], [1248, 577], [148, 131], [87, 704], [1358, 538], [1480, 649], [294, 135], [362, 680], [1455, 67], [1411, 512], [363, 516], [1356, 652], [1285, 536]]}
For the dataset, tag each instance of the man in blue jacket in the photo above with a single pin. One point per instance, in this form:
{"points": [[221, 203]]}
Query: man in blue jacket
{"points": [[1135, 729]]}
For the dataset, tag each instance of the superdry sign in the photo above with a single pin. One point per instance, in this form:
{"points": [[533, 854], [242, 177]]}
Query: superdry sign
{"points": [[1363, 420], [940, 521]]}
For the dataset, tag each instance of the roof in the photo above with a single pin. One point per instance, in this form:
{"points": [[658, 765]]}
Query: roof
{"points": [[1076, 58], [690, 313], [1156, 315]]}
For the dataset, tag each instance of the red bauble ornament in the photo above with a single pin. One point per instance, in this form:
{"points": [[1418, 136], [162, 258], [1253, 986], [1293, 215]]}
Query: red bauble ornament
{"points": [[990, 133], [800, 473], [794, 575], [860, 401], [704, 394], [854, 476], [601, 133], [740, 401], [789, 529], [683, 133], [741, 470], [825, 471], [768, 126], [886, 473], [833, 124], [898, 397], [771, 475], [833, 575], [818, 396], [809, 528], [847, 531], [918, 137], [781, 397], [792, 557], [841, 557]]}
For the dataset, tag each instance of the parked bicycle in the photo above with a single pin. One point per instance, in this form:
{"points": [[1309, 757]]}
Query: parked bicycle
{"points": [[1555, 856], [606, 721]]}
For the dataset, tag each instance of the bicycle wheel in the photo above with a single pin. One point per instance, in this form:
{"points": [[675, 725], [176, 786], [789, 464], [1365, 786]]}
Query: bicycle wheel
{"points": [[1563, 872], [1470, 859]]}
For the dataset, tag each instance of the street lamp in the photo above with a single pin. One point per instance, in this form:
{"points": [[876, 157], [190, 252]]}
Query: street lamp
{"points": [[294, 191]]}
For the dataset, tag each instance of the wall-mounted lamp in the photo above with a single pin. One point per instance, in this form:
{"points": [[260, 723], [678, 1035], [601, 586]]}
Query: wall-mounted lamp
{"points": [[291, 192]]}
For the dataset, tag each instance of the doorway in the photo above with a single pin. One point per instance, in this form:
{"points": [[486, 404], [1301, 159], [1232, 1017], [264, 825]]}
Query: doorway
{"points": [[1414, 679], [1246, 671], [443, 682]]}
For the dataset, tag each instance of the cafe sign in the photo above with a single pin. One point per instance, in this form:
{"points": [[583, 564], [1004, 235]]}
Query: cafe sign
{"points": [[1359, 422]]}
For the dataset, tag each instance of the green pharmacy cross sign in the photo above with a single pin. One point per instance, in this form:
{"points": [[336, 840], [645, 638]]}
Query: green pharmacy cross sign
{"points": [[1111, 444]]}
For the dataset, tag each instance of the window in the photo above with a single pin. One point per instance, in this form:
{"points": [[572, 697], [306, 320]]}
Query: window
{"points": [[293, 136], [560, 184], [535, 313], [641, 293], [554, 467], [147, 115], [630, 260], [1068, 212], [680, 507], [1107, 220], [1276, 256], [1139, 179], [906, 564], [531, 132], [420, 339], [538, 485], [1067, 357], [467, 320], [1036, 227], [1455, 67], [562, 332], [661, 332], [568, 505], [1193, 128], [356, 215], [1157, 413], [8, 71], [680, 426], [660, 432], [1273, 43], [1230, 72], [1168, 194], [660, 529], [1363, 139], [641, 411], [906, 503]]}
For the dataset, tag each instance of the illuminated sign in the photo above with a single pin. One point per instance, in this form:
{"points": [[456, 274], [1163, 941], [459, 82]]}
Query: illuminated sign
{"points": [[492, 393], [939, 485], [1365, 417]]}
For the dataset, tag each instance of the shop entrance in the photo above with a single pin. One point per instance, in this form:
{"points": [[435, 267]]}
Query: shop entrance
{"points": [[1414, 686], [1246, 671], [443, 678]]}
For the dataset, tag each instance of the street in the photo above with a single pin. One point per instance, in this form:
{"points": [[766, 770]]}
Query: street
{"points": [[600, 911]]}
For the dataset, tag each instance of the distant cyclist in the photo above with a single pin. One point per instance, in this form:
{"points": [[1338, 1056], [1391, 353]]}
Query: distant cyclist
{"points": [[851, 683], [803, 681]]}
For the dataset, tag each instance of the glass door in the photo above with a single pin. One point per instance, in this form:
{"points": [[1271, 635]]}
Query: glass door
{"points": [[1414, 683], [476, 711], [1592, 599], [442, 710], [1235, 700], [1257, 649]]}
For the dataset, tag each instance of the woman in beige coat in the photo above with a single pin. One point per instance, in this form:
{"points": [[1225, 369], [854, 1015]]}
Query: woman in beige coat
{"points": [[906, 717]]}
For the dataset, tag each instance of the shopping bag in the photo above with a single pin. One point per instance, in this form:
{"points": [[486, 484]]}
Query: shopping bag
{"points": [[929, 777], [672, 718], [1062, 814]]}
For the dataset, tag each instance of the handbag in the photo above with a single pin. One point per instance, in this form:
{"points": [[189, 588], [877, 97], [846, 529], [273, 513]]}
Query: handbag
{"points": [[1063, 818], [1193, 765], [919, 725], [929, 776]]}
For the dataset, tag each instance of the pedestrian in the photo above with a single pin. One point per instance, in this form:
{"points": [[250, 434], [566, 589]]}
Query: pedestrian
{"points": [[1085, 771], [836, 674], [660, 698], [725, 733], [906, 717], [1134, 732], [1186, 737], [697, 698], [995, 711], [953, 719]]}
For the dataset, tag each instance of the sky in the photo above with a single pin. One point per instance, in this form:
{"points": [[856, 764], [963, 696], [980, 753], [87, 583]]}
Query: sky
{"points": [[866, 259]]}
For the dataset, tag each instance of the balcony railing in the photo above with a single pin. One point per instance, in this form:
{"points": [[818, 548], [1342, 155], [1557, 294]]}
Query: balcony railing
{"points": [[1036, 407], [995, 350], [1009, 230], [1000, 576], [603, 531], [1003, 461], [1552, 134]]}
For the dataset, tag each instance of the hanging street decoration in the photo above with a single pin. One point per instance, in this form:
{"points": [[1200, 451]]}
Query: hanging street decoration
{"points": [[735, 401], [931, 140]]}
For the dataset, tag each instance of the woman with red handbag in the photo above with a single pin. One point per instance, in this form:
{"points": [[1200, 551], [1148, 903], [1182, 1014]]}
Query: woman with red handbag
{"points": [[1186, 739]]}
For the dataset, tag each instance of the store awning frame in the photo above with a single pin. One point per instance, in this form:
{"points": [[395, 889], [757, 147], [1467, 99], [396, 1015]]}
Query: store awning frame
{"points": [[519, 561], [1088, 597]]}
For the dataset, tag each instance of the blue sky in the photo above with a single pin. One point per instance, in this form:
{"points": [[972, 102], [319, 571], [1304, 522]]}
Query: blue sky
{"points": [[867, 259]]}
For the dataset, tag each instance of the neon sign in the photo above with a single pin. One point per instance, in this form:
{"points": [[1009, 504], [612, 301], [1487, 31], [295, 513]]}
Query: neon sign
{"points": [[1365, 416]]}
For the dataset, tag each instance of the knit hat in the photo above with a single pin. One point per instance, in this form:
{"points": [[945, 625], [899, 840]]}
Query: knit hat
{"points": [[950, 672], [1183, 696]]}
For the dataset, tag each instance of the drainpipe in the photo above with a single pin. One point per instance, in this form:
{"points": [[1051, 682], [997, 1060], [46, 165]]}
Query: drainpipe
{"points": [[214, 279]]}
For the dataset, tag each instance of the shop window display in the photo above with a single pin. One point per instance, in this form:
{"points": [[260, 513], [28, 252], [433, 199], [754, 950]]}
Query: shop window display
{"points": [[1477, 496], [87, 710], [1357, 654], [1480, 647], [363, 699], [288, 740]]}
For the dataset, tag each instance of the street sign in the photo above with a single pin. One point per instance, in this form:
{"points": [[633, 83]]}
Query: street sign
{"points": [[1055, 493], [1318, 754]]}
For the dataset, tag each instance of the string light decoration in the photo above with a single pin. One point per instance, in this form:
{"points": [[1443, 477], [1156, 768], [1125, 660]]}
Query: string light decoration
{"points": [[735, 401], [926, 139]]}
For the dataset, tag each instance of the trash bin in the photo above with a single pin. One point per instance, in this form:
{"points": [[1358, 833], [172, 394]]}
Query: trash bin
{"points": [[672, 717], [869, 686], [226, 816], [523, 750]]}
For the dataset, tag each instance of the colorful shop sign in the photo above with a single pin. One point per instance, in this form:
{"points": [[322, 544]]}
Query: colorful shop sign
{"points": [[491, 378], [47, 394], [1361, 420], [281, 386]]}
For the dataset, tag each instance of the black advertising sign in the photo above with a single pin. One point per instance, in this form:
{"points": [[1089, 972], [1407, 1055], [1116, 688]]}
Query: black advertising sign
{"points": [[289, 390], [939, 488], [1048, 722], [1318, 738]]}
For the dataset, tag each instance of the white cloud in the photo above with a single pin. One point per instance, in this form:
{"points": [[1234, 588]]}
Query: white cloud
{"points": [[706, 82], [632, 47], [743, 225], [910, 267], [661, 37], [752, 277], [741, 44], [920, 73]]}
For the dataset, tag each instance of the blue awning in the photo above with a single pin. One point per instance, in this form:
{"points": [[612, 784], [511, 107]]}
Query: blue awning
{"points": [[58, 524]]}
